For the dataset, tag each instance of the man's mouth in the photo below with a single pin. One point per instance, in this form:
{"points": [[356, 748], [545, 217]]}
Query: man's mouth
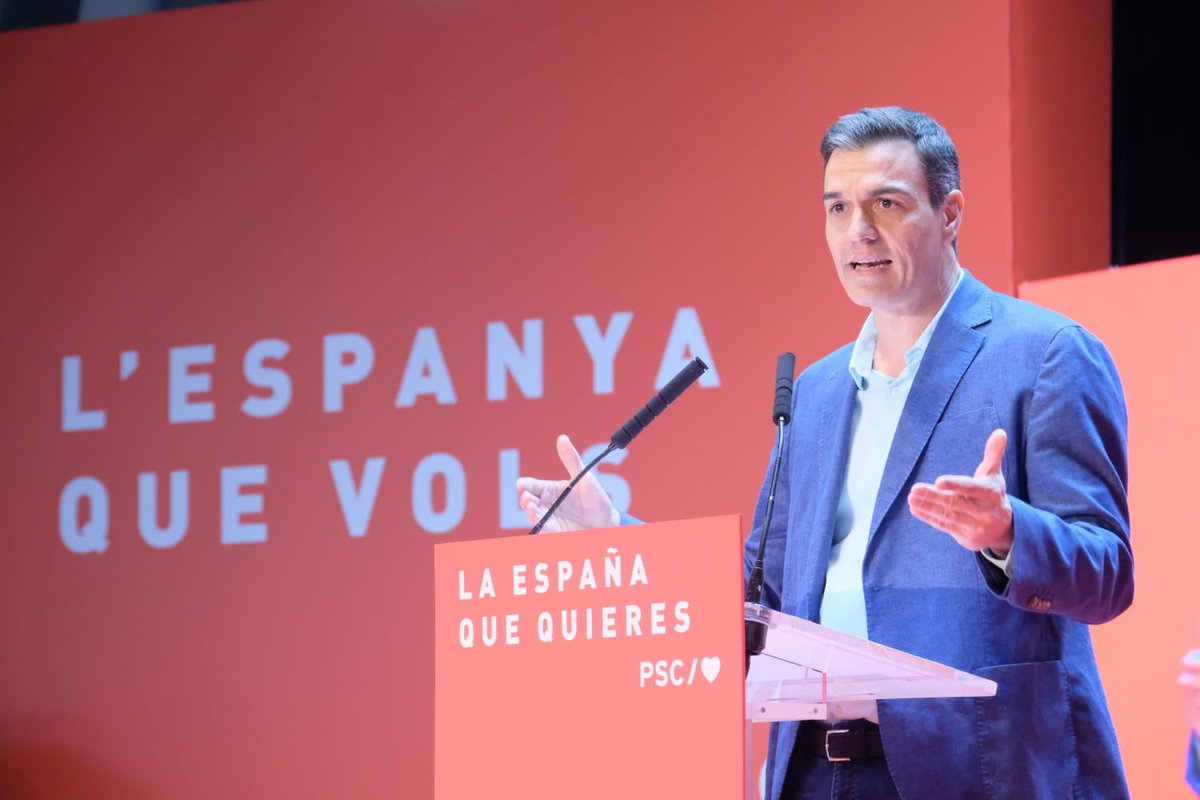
{"points": [[881, 262]]}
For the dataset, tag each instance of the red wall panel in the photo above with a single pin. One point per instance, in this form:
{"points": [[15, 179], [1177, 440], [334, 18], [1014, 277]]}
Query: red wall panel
{"points": [[298, 171]]}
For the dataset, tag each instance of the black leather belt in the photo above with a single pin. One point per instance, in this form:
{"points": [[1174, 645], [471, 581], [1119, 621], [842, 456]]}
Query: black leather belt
{"points": [[850, 741]]}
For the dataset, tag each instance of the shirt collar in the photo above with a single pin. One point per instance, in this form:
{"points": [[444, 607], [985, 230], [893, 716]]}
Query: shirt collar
{"points": [[863, 354]]}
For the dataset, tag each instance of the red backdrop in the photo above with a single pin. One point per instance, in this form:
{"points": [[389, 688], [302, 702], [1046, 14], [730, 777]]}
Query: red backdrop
{"points": [[1141, 313], [298, 184]]}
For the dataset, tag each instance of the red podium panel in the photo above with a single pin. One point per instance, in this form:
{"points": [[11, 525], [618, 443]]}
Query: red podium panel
{"points": [[596, 664]]}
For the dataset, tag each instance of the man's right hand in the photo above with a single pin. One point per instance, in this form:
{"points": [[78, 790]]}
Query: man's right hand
{"points": [[588, 505]]}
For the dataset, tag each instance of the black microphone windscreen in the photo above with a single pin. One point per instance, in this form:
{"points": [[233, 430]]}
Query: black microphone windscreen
{"points": [[658, 403], [785, 370], [682, 380]]}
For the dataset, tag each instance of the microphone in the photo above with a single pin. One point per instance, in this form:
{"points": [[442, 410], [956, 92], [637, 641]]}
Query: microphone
{"points": [[667, 395], [785, 368], [636, 424], [781, 415]]}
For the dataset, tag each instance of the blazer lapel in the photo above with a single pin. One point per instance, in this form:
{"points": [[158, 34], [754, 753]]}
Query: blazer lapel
{"points": [[951, 350]]}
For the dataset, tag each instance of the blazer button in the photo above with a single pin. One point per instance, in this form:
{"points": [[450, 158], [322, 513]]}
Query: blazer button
{"points": [[1039, 603]]}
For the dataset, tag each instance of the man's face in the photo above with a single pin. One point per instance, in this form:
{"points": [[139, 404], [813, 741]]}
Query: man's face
{"points": [[892, 249]]}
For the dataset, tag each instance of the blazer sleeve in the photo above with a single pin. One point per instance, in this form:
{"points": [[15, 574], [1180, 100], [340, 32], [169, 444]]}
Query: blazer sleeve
{"points": [[1071, 553]]}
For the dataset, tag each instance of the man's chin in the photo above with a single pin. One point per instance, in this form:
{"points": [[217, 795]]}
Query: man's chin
{"points": [[864, 296]]}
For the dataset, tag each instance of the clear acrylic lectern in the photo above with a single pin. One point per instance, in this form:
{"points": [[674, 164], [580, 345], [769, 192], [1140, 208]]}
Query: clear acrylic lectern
{"points": [[804, 668]]}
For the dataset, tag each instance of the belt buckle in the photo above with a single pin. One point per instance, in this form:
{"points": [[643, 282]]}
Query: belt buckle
{"points": [[831, 732]]}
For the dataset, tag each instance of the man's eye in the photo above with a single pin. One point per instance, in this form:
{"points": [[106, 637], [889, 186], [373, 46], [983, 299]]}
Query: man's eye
{"points": [[885, 202], [837, 208]]}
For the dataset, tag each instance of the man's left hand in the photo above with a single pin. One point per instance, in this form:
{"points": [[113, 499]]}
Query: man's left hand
{"points": [[974, 510]]}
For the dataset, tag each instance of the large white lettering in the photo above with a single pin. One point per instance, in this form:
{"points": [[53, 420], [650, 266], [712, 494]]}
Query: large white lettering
{"points": [[182, 383], [349, 359], [438, 496], [426, 372], [177, 514], [74, 417], [259, 374], [235, 504], [448, 468], [90, 536], [686, 342], [505, 357], [616, 486], [603, 346], [357, 502]]}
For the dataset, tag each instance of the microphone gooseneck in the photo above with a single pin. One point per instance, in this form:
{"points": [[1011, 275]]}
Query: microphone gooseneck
{"points": [[558, 501], [636, 424], [781, 415]]}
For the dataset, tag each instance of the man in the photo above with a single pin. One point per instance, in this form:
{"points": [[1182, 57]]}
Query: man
{"points": [[896, 531], [1189, 679]]}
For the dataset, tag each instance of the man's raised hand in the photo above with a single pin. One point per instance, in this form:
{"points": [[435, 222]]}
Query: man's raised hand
{"points": [[588, 505], [975, 510]]}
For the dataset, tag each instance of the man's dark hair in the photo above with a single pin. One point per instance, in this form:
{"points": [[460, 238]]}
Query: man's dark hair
{"points": [[939, 159]]}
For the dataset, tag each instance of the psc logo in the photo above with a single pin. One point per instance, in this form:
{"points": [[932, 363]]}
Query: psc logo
{"points": [[678, 671]]}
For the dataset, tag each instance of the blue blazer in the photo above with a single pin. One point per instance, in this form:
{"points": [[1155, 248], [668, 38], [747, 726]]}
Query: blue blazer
{"points": [[1193, 764], [993, 362]]}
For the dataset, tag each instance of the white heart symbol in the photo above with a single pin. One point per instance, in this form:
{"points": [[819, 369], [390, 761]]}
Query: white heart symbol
{"points": [[711, 667]]}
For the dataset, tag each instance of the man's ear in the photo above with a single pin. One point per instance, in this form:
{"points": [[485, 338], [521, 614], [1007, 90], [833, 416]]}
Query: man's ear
{"points": [[952, 211]]}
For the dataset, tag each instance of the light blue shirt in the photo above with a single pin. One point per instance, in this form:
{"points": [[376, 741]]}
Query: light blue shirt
{"points": [[878, 404]]}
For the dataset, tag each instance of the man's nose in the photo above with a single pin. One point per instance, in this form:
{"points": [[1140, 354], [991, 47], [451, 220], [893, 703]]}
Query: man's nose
{"points": [[862, 226]]}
